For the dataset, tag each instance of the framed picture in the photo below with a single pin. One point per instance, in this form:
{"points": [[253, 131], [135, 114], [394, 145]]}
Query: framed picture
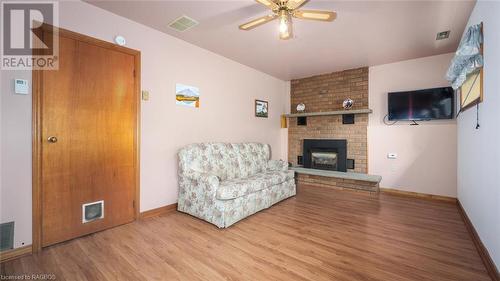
{"points": [[187, 95], [261, 108]]}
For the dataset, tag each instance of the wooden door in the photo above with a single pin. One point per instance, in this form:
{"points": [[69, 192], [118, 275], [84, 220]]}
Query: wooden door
{"points": [[88, 138]]}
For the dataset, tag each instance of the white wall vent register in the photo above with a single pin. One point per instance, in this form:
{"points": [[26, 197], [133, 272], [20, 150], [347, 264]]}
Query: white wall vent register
{"points": [[183, 23]]}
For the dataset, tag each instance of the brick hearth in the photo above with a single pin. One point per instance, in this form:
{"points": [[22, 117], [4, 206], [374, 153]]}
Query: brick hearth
{"points": [[337, 183]]}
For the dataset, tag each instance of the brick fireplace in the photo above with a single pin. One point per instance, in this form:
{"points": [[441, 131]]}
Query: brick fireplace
{"points": [[342, 135], [323, 93]]}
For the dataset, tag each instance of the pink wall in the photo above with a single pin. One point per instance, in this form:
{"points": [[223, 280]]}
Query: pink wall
{"points": [[228, 90], [427, 153]]}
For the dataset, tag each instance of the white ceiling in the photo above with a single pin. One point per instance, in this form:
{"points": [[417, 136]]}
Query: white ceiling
{"points": [[365, 33]]}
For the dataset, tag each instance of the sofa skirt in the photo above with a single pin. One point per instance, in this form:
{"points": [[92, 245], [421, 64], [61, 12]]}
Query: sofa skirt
{"points": [[231, 211]]}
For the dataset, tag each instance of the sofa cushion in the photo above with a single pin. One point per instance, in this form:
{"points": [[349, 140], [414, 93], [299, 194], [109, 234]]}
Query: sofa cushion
{"points": [[252, 158], [235, 188], [219, 159]]}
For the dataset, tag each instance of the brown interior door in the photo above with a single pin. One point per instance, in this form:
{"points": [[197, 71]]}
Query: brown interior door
{"points": [[88, 127]]}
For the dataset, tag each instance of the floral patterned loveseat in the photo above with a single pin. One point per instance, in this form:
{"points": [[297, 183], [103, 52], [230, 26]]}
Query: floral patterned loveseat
{"points": [[223, 183]]}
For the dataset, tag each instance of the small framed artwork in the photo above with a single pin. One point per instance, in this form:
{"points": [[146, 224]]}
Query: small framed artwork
{"points": [[261, 108], [187, 95]]}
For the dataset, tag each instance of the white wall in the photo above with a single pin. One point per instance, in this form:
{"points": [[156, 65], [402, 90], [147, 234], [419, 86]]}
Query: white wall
{"points": [[426, 161], [15, 149], [479, 150], [228, 90]]}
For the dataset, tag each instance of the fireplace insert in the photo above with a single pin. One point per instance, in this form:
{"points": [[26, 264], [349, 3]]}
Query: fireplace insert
{"points": [[324, 160], [325, 154]]}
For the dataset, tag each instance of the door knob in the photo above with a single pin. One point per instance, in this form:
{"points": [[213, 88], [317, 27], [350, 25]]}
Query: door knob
{"points": [[52, 139]]}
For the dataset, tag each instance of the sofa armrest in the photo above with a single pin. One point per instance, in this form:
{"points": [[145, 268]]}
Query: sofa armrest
{"points": [[197, 196], [277, 165], [205, 178]]}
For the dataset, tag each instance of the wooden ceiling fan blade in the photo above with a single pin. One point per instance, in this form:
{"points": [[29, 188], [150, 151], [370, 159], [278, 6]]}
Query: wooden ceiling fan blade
{"points": [[256, 22], [268, 3], [295, 4], [315, 15]]}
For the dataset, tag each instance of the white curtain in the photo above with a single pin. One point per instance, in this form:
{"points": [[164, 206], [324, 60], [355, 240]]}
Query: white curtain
{"points": [[467, 58]]}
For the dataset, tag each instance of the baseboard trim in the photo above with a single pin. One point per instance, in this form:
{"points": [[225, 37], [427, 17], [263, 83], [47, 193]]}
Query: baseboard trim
{"points": [[15, 253], [418, 195], [483, 252], [158, 211]]}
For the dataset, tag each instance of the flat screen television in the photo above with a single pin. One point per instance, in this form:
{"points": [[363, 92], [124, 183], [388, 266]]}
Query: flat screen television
{"points": [[428, 104]]}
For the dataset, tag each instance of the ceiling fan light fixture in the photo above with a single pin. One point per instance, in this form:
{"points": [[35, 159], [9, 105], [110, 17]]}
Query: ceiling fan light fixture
{"points": [[285, 26], [284, 10]]}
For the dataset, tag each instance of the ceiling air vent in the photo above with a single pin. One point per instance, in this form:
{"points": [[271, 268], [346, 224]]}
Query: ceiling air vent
{"points": [[183, 23], [443, 35]]}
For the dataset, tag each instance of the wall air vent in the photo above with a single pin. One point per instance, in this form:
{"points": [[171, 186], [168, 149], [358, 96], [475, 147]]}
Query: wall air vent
{"points": [[6, 236], [92, 211], [443, 35], [183, 23]]}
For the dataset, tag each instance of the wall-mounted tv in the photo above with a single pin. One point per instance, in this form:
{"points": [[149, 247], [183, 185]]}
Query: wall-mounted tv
{"points": [[428, 104]]}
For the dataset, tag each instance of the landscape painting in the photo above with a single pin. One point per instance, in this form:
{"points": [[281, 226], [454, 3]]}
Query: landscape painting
{"points": [[187, 95]]}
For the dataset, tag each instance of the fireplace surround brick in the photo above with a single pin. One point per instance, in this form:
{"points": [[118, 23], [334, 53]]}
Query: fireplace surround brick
{"points": [[326, 92]]}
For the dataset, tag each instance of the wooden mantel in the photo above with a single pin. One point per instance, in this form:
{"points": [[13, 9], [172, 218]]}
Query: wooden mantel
{"points": [[337, 112]]}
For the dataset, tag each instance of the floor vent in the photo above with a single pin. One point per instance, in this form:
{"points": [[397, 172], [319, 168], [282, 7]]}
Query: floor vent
{"points": [[92, 211], [7, 236], [183, 23]]}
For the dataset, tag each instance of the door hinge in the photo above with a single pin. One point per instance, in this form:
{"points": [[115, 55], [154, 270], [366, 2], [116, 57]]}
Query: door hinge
{"points": [[133, 203], [134, 73]]}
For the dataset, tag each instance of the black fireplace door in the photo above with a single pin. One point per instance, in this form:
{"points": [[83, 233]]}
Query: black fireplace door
{"points": [[325, 154]]}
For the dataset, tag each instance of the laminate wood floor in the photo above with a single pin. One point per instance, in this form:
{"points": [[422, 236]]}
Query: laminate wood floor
{"points": [[321, 234]]}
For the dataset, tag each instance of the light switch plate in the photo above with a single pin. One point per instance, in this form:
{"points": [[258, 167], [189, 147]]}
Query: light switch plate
{"points": [[145, 95], [21, 86]]}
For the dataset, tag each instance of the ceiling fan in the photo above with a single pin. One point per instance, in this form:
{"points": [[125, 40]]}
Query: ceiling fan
{"points": [[285, 10]]}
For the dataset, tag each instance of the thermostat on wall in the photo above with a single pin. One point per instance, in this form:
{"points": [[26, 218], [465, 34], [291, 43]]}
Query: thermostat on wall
{"points": [[21, 86]]}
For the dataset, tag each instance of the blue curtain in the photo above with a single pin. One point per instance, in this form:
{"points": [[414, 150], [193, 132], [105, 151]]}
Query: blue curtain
{"points": [[467, 58]]}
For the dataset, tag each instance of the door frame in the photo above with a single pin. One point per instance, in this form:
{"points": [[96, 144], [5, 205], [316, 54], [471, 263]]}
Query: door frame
{"points": [[37, 79]]}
